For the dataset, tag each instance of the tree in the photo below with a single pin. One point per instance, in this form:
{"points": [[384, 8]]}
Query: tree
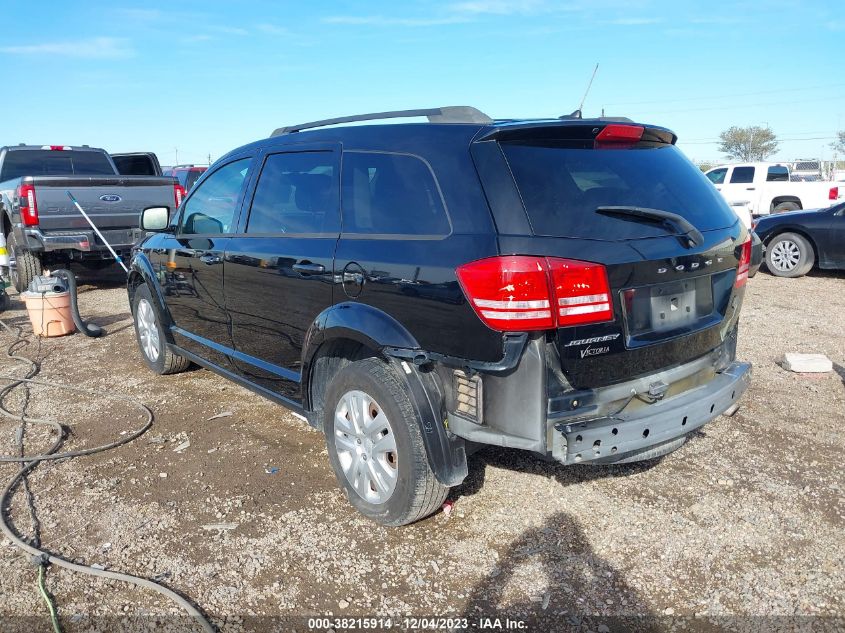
{"points": [[748, 143], [839, 144]]}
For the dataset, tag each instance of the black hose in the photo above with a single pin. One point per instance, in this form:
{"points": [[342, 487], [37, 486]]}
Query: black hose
{"points": [[88, 329]]}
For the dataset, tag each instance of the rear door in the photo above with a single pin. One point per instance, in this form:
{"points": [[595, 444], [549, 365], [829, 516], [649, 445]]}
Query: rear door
{"points": [[279, 266], [671, 300]]}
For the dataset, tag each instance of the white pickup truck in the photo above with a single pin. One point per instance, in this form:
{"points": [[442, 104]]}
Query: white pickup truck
{"points": [[764, 188]]}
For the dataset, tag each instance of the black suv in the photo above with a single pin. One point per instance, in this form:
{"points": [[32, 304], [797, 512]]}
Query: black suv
{"points": [[570, 287]]}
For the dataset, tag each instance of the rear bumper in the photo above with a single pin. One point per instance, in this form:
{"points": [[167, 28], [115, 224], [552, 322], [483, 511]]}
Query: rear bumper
{"points": [[614, 436], [83, 241]]}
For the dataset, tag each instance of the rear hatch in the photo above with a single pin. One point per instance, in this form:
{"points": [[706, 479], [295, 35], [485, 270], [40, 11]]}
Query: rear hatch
{"points": [[624, 197]]}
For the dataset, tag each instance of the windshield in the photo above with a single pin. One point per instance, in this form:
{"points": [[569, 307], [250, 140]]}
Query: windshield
{"points": [[562, 186], [22, 162]]}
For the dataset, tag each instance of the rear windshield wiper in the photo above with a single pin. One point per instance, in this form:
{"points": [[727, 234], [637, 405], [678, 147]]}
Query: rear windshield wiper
{"points": [[692, 234]]}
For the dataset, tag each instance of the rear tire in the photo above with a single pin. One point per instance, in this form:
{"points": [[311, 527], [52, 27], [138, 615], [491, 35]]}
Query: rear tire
{"points": [[789, 255], [24, 266], [378, 454], [150, 336], [783, 207]]}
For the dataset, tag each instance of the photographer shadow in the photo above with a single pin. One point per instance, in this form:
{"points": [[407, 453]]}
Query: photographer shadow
{"points": [[583, 591]]}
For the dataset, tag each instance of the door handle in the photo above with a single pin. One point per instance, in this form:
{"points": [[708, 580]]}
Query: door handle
{"points": [[750, 188], [307, 268]]}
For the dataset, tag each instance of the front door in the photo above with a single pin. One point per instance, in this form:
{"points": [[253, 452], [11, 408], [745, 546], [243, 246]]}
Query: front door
{"points": [[279, 267], [739, 188], [193, 287]]}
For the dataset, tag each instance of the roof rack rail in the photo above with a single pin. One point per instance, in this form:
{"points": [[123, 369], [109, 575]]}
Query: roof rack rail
{"points": [[446, 114]]}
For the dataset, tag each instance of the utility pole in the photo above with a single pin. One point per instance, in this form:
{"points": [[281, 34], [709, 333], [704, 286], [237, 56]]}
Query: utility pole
{"points": [[209, 159], [177, 154]]}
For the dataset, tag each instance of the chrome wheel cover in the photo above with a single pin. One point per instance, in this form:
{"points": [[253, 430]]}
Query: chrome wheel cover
{"points": [[366, 447], [145, 321], [785, 255]]}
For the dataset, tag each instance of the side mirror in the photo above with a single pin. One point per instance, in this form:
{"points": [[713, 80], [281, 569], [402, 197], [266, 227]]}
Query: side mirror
{"points": [[155, 219]]}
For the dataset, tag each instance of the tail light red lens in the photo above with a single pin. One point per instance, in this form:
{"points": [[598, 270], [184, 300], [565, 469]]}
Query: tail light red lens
{"points": [[515, 293], [581, 292], [615, 133], [178, 194], [28, 205], [744, 264], [509, 293], [833, 194]]}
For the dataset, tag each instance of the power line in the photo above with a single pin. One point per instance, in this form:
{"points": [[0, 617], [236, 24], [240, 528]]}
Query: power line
{"points": [[728, 96]]}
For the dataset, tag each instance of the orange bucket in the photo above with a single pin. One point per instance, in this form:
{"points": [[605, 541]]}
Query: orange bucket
{"points": [[49, 313]]}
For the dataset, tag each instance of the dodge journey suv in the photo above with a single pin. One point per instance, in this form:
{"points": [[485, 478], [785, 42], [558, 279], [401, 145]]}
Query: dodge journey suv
{"points": [[570, 287]]}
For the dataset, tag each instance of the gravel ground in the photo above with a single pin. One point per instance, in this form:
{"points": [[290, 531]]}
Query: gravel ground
{"points": [[741, 528]]}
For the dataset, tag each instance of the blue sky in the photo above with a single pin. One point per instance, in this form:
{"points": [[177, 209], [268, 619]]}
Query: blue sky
{"points": [[205, 77]]}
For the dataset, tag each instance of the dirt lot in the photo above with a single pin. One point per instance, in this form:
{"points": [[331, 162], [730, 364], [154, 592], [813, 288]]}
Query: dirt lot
{"points": [[747, 519]]}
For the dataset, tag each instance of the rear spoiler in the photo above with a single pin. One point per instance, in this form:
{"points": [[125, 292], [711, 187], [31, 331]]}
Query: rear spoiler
{"points": [[569, 130]]}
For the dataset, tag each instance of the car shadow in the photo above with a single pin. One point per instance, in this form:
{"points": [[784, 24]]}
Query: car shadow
{"points": [[840, 370], [581, 587], [526, 462]]}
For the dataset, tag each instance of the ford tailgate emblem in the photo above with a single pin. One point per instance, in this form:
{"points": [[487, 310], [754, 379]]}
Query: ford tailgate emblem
{"points": [[111, 197]]}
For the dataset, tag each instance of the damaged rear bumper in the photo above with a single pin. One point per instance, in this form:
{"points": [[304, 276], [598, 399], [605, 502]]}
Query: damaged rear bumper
{"points": [[664, 420]]}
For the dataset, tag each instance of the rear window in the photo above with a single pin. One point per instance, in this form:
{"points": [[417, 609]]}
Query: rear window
{"points": [[777, 173], [19, 163], [191, 176], [391, 194], [134, 165], [562, 187]]}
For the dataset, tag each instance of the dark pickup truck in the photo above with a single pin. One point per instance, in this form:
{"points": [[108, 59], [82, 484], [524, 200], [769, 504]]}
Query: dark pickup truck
{"points": [[44, 228]]}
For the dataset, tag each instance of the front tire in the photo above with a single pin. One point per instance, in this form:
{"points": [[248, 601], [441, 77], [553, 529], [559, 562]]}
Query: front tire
{"points": [[24, 266], [375, 445], [150, 336], [789, 255]]}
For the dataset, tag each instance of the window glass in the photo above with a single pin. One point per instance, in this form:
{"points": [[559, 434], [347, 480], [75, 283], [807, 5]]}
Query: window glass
{"points": [[777, 173], [24, 162], [742, 175], [717, 176], [391, 194], [211, 209], [562, 185], [296, 193], [140, 165]]}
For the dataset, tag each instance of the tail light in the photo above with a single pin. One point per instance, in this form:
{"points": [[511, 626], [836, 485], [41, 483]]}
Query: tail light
{"points": [[615, 133], [519, 293], [178, 194], [833, 194], [581, 291], [744, 264], [28, 205], [57, 148]]}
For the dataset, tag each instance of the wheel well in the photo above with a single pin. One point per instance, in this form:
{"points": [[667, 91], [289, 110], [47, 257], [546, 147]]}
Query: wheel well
{"points": [[135, 280], [330, 358], [779, 199]]}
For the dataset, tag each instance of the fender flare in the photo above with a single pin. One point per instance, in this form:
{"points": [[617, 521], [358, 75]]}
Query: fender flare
{"points": [[141, 268], [377, 330]]}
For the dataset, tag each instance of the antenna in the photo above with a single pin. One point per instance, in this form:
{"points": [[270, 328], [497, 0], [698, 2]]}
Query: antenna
{"points": [[587, 91]]}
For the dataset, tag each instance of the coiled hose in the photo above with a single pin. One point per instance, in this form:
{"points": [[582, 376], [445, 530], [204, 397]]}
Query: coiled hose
{"points": [[88, 329], [29, 462]]}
